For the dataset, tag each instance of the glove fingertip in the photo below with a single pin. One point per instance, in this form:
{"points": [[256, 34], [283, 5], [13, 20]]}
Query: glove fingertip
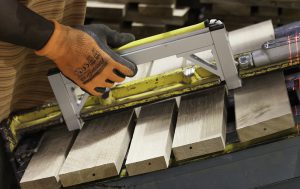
{"points": [[135, 70], [133, 67], [126, 38], [129, 69]]}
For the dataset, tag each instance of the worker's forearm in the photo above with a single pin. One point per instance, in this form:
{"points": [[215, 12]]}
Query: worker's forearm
{"points": [[21, 26]]}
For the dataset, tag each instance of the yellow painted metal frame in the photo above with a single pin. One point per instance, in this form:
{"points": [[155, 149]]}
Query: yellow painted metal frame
{"points": [[130, 94], [142, 91], [150, 89], [126, 95], [134, 93], [268, 68]]}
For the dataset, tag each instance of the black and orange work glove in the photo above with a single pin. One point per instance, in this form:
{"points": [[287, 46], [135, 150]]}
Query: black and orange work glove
{"points": [[84, 55]]}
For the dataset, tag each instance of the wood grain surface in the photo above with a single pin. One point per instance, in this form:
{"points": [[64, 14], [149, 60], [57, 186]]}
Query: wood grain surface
{"points": [[262, 107], [155, 10], [150, 148], [42, 171], [141, 30], [201, 124], [231, 8], [161, 2], [105, 11], [178, 18], [99, 149]]}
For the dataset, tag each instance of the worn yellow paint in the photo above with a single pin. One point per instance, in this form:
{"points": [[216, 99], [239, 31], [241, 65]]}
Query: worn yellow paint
{"points": [[130, 94], [267, 68], [166, 35], [150, 89], [22, 121]]}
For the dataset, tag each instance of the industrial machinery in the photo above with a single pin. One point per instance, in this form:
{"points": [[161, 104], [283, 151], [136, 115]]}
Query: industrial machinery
{"points": [[214, 62], [186, 43]]}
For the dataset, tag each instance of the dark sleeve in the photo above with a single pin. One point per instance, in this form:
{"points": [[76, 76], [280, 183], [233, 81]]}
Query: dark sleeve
{"points": [[21, 26], [291, 29]]}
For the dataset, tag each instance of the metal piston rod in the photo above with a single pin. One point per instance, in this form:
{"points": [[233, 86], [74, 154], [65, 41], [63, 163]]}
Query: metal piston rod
{"points": [[285, 48]]}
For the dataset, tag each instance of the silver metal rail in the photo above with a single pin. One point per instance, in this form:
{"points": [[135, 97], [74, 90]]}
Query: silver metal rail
{"points": [[187, 45]]}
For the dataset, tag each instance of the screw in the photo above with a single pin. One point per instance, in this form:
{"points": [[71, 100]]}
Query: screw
{"points": [[189, 72]]}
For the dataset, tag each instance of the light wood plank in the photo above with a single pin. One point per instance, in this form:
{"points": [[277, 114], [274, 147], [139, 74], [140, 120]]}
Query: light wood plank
{"points": [[178, 18], [98, 4], [156, 10], [42, 171], [150, 148], [201, 124], [155, 2], [231, 8], [99, 150], [141, 30], [105, 11], [262, 107]]}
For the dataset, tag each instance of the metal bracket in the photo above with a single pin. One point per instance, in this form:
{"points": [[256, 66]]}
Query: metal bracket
{"points": [[225, 65], [70, 99], [187, 45]]}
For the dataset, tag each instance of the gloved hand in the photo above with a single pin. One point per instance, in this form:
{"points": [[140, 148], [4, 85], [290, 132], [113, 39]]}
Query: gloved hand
{"points": [[84, 56]]}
